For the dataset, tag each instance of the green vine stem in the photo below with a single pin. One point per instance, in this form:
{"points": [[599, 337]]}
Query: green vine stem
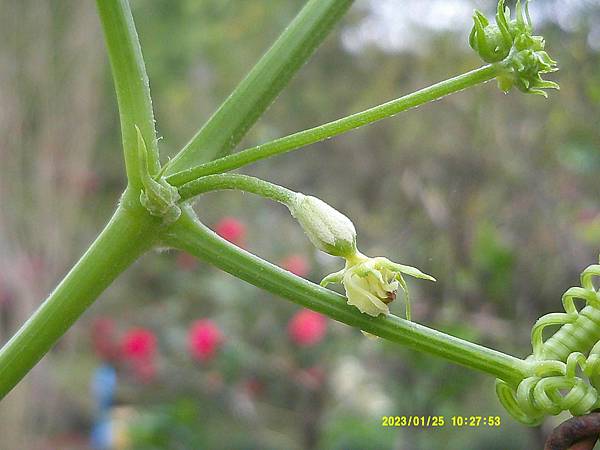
{"points": [[133, 229], [126, 237], [190, 235], [262, 85], [322, 132], [238, 182], [131, 85]]}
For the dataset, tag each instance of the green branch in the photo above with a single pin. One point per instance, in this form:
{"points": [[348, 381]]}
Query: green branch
{"points": [[262, 85], [190, 235], [238, 182], [322, 132], [134, 229], [127, 236], [131, 84]]}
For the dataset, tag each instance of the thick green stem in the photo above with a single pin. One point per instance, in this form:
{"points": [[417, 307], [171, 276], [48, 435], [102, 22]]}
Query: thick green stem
{"points": [[322, 132], [129, 234], [190, 235], [262, 85], [131, 84], [237, 182]]}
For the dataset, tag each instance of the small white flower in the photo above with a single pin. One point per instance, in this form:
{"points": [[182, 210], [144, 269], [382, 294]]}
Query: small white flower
{"points": [[372, 283]]}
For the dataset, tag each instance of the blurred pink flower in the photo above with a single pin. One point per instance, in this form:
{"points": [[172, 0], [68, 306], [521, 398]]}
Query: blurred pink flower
{"points": [[139, 344], [231, 229], [185, 261], [307, 328], [103, 339], [297, 264], [587, 215], [204, 338]]}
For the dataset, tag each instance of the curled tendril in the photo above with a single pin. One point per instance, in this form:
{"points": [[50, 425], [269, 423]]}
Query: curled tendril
{"points": [[510, 44], [537, 397], [564, 370]]}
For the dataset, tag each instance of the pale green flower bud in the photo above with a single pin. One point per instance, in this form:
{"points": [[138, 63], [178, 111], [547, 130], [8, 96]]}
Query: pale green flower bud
{"points": [[523, 70], [518, 55], [370, 283], [488, 40], [328, 229]]}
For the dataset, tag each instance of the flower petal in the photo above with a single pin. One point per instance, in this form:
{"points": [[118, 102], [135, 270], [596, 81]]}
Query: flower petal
{"points": [[359, 296]]}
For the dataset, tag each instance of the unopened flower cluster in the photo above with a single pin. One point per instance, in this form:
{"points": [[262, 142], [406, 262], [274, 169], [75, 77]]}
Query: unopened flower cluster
{"points": [[519, 55]]}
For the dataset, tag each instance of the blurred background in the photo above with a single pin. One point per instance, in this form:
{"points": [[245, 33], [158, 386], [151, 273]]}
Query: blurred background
{"points": [[495, 195]]}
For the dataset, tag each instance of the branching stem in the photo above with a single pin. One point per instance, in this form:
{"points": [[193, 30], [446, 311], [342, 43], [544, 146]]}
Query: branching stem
{"points": [[133, 230], [230, 123], [192, 236], [322, 132], [131, 84], [129, 234]]}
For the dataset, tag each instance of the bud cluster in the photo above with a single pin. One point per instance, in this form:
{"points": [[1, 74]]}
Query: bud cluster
{"points": [[510, 44]]}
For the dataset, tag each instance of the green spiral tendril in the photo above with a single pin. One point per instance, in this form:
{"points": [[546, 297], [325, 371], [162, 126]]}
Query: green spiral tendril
{"points": [[564, 370]]}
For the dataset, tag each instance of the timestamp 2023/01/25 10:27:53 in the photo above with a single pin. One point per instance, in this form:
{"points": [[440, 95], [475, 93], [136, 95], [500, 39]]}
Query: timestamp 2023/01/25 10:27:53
{"points": [[440, 421]]}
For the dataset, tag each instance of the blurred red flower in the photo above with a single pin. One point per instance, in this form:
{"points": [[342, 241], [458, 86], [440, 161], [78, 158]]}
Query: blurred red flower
{"points": [[231, 229], [297, 264], [139, 344], [204, 338], [103, 339], [307, 328]]}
